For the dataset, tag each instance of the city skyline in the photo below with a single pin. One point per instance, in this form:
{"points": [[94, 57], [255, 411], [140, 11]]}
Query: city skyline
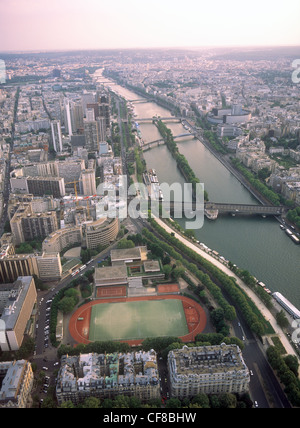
{"points": [[66, 25]]}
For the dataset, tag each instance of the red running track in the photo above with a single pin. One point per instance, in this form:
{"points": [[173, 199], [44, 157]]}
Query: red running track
{"points": [[194, 313]]}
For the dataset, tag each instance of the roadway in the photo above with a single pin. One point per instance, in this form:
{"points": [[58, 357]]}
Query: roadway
{"points": [[264, 386]]}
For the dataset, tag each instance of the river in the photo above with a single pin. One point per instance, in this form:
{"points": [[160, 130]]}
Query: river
{"points": [[255, 244]]}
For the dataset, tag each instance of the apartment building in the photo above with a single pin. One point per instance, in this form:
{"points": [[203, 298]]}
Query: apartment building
{"points": [[207, 370], [16, 312], [108, 375], [101, 232], [62, 238], [40, 186], [16, 384], [49, 266], [88, 182], [27, 225]]}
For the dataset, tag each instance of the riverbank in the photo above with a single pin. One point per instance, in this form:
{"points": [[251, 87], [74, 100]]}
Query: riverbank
{"points": [[264, 311], [253, 243]]}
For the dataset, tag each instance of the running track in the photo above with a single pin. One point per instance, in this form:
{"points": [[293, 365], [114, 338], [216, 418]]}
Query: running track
{"points": [[79, 330]]}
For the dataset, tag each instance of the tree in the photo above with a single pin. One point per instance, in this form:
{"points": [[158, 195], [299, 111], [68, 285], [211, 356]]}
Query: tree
{"points": [[167, 271], [282, 320], [91, 403], [66, 305], [125, 243]]}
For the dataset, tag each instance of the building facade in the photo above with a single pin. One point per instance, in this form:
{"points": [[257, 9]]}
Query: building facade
{"points": [[108, 375], [17, 381], [101, 232], [17, 311], [208, 370]]}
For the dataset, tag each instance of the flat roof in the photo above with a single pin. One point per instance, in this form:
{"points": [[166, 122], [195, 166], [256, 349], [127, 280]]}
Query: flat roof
{"points": [[110, 272], [125, 254]]}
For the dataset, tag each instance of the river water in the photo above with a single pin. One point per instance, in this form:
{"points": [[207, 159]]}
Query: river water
{"points": [[255, 244]]}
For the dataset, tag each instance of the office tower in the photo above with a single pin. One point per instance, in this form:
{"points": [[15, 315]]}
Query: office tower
{"points": [[56, 136], [67, 116], [88, 182], [90, 114], [91, 135], [78, 117], [95, 107], [87, 98], [104, 111], [101, 129]]}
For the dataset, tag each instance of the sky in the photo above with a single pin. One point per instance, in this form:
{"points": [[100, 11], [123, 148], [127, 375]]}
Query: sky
{"points": [[27, 25]]}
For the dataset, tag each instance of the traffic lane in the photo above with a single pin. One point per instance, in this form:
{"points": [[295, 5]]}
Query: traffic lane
{"points": [[264, 381]]}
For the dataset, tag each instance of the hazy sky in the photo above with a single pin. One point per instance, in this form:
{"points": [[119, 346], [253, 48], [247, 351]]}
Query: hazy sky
{"points": [[101, 24]]}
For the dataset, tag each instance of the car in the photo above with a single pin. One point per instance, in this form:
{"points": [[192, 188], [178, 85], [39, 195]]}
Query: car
{"points": [[251, 372], [45, 368], [55, 364], [255, 403]]}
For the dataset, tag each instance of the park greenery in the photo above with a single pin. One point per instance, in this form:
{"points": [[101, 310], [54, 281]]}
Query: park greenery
{"points": [[294, 217], [287, 371], [180, 159], [262, 188]]}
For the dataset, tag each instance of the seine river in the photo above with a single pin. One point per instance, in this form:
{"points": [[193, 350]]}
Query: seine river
{"points": [[255, 244]]}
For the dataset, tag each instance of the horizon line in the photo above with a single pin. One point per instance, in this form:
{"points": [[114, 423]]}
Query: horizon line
{"points": [[52, 50]]}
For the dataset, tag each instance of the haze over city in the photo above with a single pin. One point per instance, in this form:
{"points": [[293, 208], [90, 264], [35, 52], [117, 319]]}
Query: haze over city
{"points": [[27, 25]]}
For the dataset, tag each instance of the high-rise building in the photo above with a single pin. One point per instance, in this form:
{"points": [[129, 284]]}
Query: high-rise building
{"points": [[40, 186], [15, 265], [88, 182], [104, 111], [68, 117], [56, 136], [101, 129], [87, 98], [28, 226], [91, 135], [49, 266], [90, 114]]}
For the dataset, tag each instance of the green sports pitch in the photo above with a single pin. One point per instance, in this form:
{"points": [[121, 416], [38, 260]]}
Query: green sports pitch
{"points": [[137, 320]]}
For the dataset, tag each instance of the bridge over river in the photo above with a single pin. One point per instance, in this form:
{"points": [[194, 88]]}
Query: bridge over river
{"points": [[213, 210]]}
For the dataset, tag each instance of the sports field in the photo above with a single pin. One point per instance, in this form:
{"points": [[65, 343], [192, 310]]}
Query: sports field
{"points": [[137, 320]]}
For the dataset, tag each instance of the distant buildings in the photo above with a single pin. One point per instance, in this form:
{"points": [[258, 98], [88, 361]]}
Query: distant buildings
{"points": [[207, 370], [108, 375]]}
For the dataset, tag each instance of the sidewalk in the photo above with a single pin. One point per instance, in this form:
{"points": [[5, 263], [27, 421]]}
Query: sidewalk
{"points": [[266, 313]]}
